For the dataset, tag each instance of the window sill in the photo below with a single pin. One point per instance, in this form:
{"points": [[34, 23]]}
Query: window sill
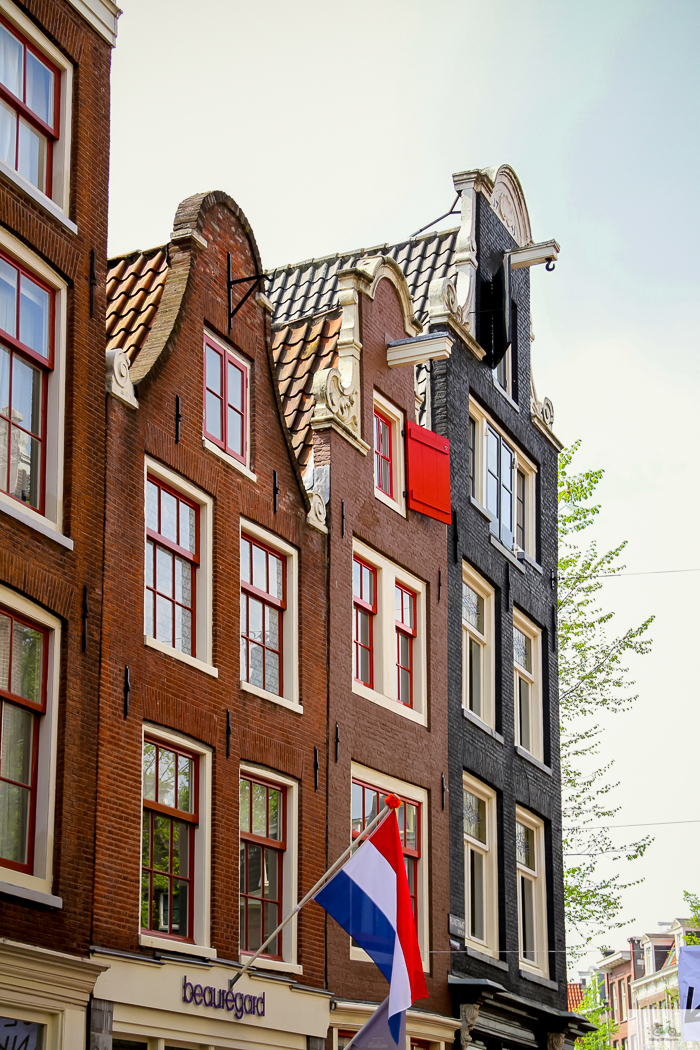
{"points": [[393, 504], [506, 553], [191, 661], [475, 720], [167, 944], [273, 964], [536, 979], [523, 556], [506, 395], [282, 701], [482, 510], [531, 758], [36, 896], [360, 955], [483, 957], [241, 467], [34, 520], [37, 196], [389, 703]]}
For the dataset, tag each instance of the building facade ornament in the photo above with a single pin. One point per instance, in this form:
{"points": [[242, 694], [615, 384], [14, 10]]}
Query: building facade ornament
{"points": [[317, 512], [118, 379], [317, 481], [337, 398], [555, 1040], [468, 1013], [444, 307], [542, 415]]}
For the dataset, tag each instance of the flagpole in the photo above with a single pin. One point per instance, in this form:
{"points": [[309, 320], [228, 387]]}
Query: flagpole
{"points": [[353, 845]]}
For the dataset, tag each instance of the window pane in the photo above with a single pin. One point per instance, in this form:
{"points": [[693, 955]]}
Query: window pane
{"points": [[363, 627], [492, 499], [188, 527], [254, 925], [398, 607], [234, 431], [25, 467], [259, 810], [367, 585], [356, 576], [5, 630], [272, 672], [411, 826], [474, 816], [408, 608], [181, 849], [385, 436], [39, 89], [271, 923], [183, 582], [524, 714], [475, 654], [472, 608], [160, 904], [255, 619], [161, 843], [146, 839], [404, 686], [245, 560], [259, 568], [14, 822], [27, 662], [181, 902], [185, 784], [527, 918], [4, 373], [4, 445], [213, 371], [356, 808], [8, 280], [525, 845], [34, 315], [492, 444], [8, 147], [255, 855], [17, 741], [213, 415], [11, 62], [149, 771], [522, 649], [164, 571], [364, 671], [255, 666], [244, 805], [152, 506], [385, 483], [370, 805], [275, 567], [235, 387], [166, 777], [271, 875], [404, 649], [26, 395], [168, 516], [274, 814], [476, 895]]}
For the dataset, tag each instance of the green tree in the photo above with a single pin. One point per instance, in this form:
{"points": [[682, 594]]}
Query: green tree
{"points": [[594, 1009], [693, 902], [593, 682]]}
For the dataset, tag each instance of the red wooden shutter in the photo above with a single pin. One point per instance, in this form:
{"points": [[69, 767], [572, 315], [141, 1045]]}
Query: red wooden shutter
{"points": [[428, 465]]}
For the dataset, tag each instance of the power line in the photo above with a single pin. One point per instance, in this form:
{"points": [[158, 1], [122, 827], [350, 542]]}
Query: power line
{"points": [[652, 572], [645, 824]]}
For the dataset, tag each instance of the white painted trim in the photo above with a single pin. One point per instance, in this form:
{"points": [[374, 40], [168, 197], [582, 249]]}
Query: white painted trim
{"points": [[49, 899], [385, 692], [431, 347], [416, 794], [396, 419], [211, 447], [204, 583], [59, 205], [272, 697], [41, 881], [202, 849], [290, 870], [35, 521], [290, 619], [489, 851], [540, 969], [534, 677], [102, 15], [487, 641]]}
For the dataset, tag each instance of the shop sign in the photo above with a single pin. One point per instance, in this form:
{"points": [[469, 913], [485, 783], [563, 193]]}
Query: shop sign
{"points": [[221, 999], [20, 1035]]}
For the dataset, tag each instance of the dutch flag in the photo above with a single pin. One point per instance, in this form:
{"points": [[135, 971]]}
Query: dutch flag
{"points": [[369, 898]]}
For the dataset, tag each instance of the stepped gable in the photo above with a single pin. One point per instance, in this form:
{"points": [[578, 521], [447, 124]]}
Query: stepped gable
{"points": [[135, 284]]}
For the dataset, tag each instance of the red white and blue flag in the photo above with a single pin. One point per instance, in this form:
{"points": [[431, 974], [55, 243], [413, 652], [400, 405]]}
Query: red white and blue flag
{"points": [[369, 898]]}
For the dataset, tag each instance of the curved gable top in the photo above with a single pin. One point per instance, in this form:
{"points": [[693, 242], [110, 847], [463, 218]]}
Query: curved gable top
{"points": [[370, 271], [191, 213], [507, 199]]}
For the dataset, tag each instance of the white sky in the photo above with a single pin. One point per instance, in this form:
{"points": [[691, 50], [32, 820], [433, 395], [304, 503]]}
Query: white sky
{"points": [[337, 126]]}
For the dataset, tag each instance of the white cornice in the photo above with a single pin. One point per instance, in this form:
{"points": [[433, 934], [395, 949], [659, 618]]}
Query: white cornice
{"points": [[102, 16]]}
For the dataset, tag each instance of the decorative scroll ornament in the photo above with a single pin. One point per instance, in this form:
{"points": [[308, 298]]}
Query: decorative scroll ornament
{"points": [[337, 399], [542, 410], [118, 379], [317, 512], [468, 1013], [555, 1040], [317, 481]]}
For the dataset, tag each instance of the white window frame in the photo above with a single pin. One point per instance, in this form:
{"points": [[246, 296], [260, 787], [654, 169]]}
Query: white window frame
{"points": [[290, 871], [521, 462], [540, 967], [488, 648], [396, 420], [204, 591], [508, 388], [385, 783], [489, 851], [534, 679], [385, 691], [290, 621], [38, 886], [211, 446], [50, 523], [202, 849], [58, 204]]}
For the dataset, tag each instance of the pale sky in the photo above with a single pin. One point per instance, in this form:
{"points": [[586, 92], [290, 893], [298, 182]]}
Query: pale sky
{"points": [[337, 126]]}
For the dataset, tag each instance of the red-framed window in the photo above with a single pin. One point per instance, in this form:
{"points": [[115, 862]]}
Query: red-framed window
{"points": [[405, 611], [225, 400], [364, 609], [172, 557], [170, 817], [383, 459], [262, 827], [26, 361], [263, 601], [366, 803], [23, 672], [29, 108]]}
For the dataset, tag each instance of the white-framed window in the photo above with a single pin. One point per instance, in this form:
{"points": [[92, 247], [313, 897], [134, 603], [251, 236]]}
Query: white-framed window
{"points": [[269, 616], [503, 373], [532, 892], [30, 647], [389, 654], [269, 863], [478, 649], [527, 684], [388, 453], [226, 403], [33, 305], [368, 788], [176, 793], [178, 587], [503, 482], [479, 819], [36, 89]]}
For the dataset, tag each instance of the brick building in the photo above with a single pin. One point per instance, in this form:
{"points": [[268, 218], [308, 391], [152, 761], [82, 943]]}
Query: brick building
{"points": [[54, 114]]}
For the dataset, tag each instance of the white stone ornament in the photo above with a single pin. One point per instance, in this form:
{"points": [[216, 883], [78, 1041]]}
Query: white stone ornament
{"points": [[118, 379]]}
